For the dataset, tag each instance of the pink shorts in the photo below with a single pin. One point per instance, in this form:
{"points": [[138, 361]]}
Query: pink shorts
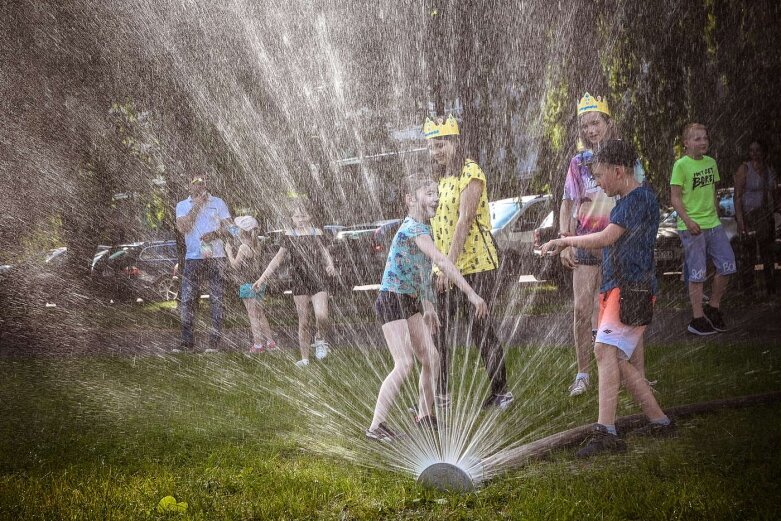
{"points": [[611, 330]]}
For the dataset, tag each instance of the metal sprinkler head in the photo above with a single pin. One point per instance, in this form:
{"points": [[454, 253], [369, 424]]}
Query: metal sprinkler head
{"points": [[446, 477]]}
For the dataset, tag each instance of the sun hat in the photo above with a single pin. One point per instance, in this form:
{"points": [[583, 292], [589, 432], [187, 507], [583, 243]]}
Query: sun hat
{"points": [[246, 222]]}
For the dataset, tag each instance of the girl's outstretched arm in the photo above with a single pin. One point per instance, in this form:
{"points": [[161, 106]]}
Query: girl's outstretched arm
{"points": [[270, 269], [426, 245]]}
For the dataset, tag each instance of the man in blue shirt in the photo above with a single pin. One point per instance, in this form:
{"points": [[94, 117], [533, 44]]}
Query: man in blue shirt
{"points": [[201, 218]]}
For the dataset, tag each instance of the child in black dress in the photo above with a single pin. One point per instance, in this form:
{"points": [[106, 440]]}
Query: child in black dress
{"points": [[309, 263]]}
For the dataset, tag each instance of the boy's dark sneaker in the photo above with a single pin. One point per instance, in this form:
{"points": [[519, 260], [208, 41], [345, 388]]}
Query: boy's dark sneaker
{"points": [[500, 401], [427, 422], [656, 430], [701, 326], [183, 347], [714, 317], [382, 433], [599, 441]]}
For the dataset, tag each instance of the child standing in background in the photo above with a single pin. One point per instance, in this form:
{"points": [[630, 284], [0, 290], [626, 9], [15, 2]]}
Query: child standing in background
{"points": [[304, 245], [244, 262]]}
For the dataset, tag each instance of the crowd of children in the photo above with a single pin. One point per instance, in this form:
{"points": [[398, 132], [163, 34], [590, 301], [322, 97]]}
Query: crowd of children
{"points": [[443, 262]]}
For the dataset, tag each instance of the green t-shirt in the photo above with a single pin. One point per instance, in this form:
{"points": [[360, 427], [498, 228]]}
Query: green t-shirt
{"points": [[697, 178]]}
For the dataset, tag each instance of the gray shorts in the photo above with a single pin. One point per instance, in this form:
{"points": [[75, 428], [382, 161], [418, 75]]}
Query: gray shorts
{"points": [[710, 245]]}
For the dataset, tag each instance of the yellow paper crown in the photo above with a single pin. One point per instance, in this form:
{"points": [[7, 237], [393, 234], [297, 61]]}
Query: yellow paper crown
{"points": [[589, 103], [433, 130]]}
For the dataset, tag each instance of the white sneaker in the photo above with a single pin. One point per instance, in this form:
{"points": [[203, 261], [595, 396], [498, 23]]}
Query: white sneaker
{"points": [[579, 386], [321, 349], [303, 362]]}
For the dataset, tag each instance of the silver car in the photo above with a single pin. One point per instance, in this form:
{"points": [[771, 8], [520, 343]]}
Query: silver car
{"points": [[513, 222]]}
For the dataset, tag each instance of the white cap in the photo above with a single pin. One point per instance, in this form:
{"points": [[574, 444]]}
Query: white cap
{"points": [[246, 222]]}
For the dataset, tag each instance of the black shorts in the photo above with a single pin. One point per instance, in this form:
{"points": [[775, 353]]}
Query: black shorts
{"points": [[308, 285], [390, 306]]}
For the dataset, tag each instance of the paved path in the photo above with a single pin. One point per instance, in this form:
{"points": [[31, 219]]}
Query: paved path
{"points": [[762, 323]]}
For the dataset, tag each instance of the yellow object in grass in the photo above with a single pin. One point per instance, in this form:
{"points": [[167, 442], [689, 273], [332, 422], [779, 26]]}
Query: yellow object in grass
{"points": [[169, 504]]}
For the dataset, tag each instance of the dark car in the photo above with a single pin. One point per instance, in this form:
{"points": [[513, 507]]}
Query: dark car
{"points": [[145, 270], [668, 251], [47, 278], [359, 252]]}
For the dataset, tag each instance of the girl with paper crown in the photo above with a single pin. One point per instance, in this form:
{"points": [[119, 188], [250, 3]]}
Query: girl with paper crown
{"points": [[462, 232], [585, 209]]}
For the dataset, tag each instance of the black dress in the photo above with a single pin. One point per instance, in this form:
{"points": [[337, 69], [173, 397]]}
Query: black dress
{"points": [[308, 275]]}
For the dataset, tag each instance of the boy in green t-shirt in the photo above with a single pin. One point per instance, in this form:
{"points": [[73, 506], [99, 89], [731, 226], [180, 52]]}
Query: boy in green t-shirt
{"points": [[693, 194]]}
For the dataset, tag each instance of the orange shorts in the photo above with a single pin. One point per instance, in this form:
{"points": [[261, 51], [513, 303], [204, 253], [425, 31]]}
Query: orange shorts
{"points": [[611, 330]]}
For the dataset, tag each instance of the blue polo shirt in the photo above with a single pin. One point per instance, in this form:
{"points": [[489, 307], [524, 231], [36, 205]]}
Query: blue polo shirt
{"points": [[208, 220]]}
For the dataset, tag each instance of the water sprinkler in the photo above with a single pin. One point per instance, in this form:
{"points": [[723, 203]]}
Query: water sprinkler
{"points": [[446, 477]]}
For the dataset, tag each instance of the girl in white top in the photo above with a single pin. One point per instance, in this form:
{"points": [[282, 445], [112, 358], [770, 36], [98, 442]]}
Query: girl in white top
{"points": [[244, 262]]}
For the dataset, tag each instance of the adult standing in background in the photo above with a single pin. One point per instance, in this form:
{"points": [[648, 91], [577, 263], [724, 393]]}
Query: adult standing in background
{"points": [[755, 203], [202, 219]]}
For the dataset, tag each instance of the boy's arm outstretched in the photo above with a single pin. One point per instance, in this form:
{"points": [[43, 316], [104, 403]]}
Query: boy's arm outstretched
{"points": [[426, 245], [270, 269], [602, 239]]}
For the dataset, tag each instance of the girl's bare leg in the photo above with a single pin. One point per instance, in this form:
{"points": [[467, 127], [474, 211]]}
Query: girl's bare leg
{"points": [[265, 327], [585, 287], [304, 326], [397, 337], [322, 321], [426, 352], [249, 304]]}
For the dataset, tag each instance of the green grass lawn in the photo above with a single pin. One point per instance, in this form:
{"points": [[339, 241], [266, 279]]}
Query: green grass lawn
{"points": [[108, 437]]}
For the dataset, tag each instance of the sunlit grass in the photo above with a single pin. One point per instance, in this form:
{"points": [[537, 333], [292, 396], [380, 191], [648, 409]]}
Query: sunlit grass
{"points": [[96, 437]]}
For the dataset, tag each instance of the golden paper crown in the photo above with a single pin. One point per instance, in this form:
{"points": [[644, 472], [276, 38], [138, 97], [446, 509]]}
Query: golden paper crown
{"points": [[589, 103], [432, 130]]}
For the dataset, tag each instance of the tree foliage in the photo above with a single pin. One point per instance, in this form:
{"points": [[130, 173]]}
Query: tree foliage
{"points": [[106, 97]]}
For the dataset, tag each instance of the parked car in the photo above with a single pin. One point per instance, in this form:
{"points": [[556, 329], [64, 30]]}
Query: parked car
{"points": [[360, 251], [668, 251], [513, 222], [548, 267], [145, 270], [45, 279]]}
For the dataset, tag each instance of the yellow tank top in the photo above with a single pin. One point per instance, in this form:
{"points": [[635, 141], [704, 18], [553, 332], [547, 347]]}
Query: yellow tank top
{"points": [[479, 252]]}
